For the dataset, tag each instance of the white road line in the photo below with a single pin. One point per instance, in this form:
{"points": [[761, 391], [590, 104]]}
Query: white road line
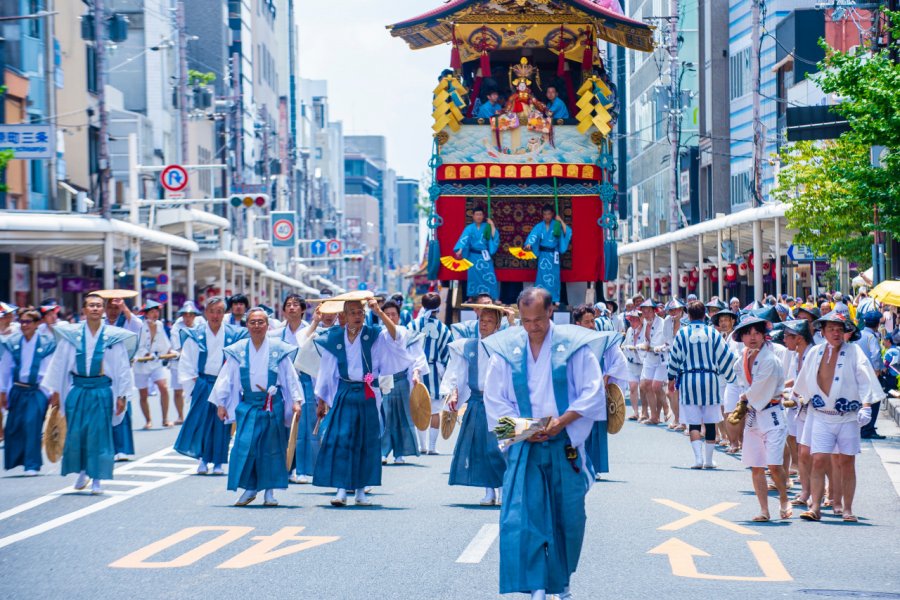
{"points": [[124, 468], [163, 465], [479, 545]]}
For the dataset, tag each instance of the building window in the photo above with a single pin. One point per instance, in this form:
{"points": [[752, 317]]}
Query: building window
{"points": [[34, 25], [740, 188], [739, 70]]}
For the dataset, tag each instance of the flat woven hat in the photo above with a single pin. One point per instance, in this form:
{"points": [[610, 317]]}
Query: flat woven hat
{"points": [[292, 442], [420, 406], [331, 307], [354, 296], [54, 434], [448, 423], [615, 408], [111, 294]]}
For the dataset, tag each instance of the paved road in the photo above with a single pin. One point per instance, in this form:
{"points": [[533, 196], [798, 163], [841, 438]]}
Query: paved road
{"points": [[427, 540]]}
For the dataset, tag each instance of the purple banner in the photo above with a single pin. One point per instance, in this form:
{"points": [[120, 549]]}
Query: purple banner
{"points": [[47, 281], [93, 285], [73, 284]]}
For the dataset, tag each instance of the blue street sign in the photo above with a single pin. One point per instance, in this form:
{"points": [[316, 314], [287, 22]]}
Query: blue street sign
{"points": [[317, 248], [800, 253], [27, 141], [362, 286]]}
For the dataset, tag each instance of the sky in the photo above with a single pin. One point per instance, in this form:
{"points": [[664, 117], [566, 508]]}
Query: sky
{"points": [[377, 85]]}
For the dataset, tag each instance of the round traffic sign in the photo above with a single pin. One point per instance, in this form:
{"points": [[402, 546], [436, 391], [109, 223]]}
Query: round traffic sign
{"points": [[317, 248], [174, 178], [334, 246], [283, 230]]}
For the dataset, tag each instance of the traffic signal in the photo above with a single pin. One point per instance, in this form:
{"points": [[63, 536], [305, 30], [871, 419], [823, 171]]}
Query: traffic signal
{"points": [[260, 201]]}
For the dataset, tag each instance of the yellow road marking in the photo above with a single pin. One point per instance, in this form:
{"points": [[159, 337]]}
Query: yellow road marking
{"points": [[265, 549], [707, 514], [138, 559], [681, 559]]}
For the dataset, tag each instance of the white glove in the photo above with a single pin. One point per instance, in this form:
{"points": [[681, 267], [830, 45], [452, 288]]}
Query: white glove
{"points": [[864, 416]]}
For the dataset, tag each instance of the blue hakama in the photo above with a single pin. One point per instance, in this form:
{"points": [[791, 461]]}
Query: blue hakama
{"points": [[548, 249], [203, 434], [399, 434], [260, 444], [123, 436], [27, 407], [477, 460], [596, 446], [542, 519], [307, 443], [89, 412], [350, 455]]}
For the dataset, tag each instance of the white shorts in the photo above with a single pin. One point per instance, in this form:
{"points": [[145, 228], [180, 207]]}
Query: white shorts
{"points": [[731, 398], [654, 371], [790, 415], [835, 438], [173, 379], [696, 414], [142, 381], [804, 428], [634, 372], [763, 448]]}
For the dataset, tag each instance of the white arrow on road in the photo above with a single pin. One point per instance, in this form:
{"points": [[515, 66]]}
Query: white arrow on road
{"points": [[681, 559]]}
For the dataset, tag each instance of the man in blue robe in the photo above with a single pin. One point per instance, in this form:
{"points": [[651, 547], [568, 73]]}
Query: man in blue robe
{"points": [[203, 435], [118, 314], [24, 357], [353, 357], [549, 240], [258, 389], [478, 243], [536, 371], [90, 378], [555, 106]]}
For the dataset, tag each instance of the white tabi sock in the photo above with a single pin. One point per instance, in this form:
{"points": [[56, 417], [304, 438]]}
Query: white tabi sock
{"points": [[566, 594], [432, 438], [96, 488], [708, 453], [539, 595], [422, 436], [341, 494], [698, 451]]}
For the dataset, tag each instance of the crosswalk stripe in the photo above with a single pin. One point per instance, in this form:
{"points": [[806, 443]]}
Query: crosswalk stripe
{"points": [[480, 544]]}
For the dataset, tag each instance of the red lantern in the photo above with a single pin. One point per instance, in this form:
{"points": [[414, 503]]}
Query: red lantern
{"points": [[766, 267], [695, 275], [731, 272], [750, 260], [682, 278], [664, 288], [656, 284], [666, 279], [714, 274], [742, 268], [774, 265], [647, 282], [692, 284]]}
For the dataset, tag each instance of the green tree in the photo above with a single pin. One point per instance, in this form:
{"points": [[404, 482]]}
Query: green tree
{"points": [[827, 204], [833, 189]]}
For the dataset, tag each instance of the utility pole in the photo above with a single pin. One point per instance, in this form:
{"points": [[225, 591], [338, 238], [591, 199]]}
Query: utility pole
{"points": [[674, 118], [50, 86], [759, 130], [103, 167], [182, 81]]}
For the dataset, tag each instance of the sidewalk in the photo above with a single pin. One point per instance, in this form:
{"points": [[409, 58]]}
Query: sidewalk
{"points": [[888, 450]]}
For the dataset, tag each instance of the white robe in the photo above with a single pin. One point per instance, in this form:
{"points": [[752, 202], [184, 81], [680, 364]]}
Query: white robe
{"points": [[227, 390], [388, 357], [456, 377], [116, 366], [152, 345], [190, 356], [587, 395], [854, 379]]}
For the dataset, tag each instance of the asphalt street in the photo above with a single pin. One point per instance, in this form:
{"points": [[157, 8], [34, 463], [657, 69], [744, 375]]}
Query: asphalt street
{"points": [[655, 527]]}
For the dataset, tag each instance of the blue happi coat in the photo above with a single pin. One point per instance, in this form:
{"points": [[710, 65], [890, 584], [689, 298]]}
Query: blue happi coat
{"points": [[437, 351], [548, 249], [203, 434], [698, 359], [350, 453], [26, 403], [542, 520], [260, 443], [480, 278], [89, 402]]}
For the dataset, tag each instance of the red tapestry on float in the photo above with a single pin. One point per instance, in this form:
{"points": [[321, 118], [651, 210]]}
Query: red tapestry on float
{"points": [[515, 217]]}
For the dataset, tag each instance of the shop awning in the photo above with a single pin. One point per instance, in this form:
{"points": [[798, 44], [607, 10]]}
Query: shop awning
{"points": [[177, 216], [231, 257], [292, 283]]}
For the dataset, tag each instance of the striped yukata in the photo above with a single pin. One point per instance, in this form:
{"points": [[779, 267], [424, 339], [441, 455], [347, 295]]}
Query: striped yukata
{"points": [[437, 352], [699, 357]]}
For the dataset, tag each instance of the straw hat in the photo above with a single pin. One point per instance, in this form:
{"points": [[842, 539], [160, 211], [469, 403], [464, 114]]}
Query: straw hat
{"points": [[354, 296], [54, 434], [448, 423], [420, 406], [615, 408], [292, 442], [331, 307], [111, 294]]}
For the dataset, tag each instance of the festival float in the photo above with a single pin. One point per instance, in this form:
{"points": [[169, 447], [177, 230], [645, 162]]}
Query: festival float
{"points": [[506, 143]]}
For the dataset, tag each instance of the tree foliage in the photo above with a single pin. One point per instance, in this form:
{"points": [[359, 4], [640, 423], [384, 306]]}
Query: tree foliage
{"points": [[832, 185]]}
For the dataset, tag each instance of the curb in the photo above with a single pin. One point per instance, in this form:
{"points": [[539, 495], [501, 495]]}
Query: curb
{"points": [[893, 408]]}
